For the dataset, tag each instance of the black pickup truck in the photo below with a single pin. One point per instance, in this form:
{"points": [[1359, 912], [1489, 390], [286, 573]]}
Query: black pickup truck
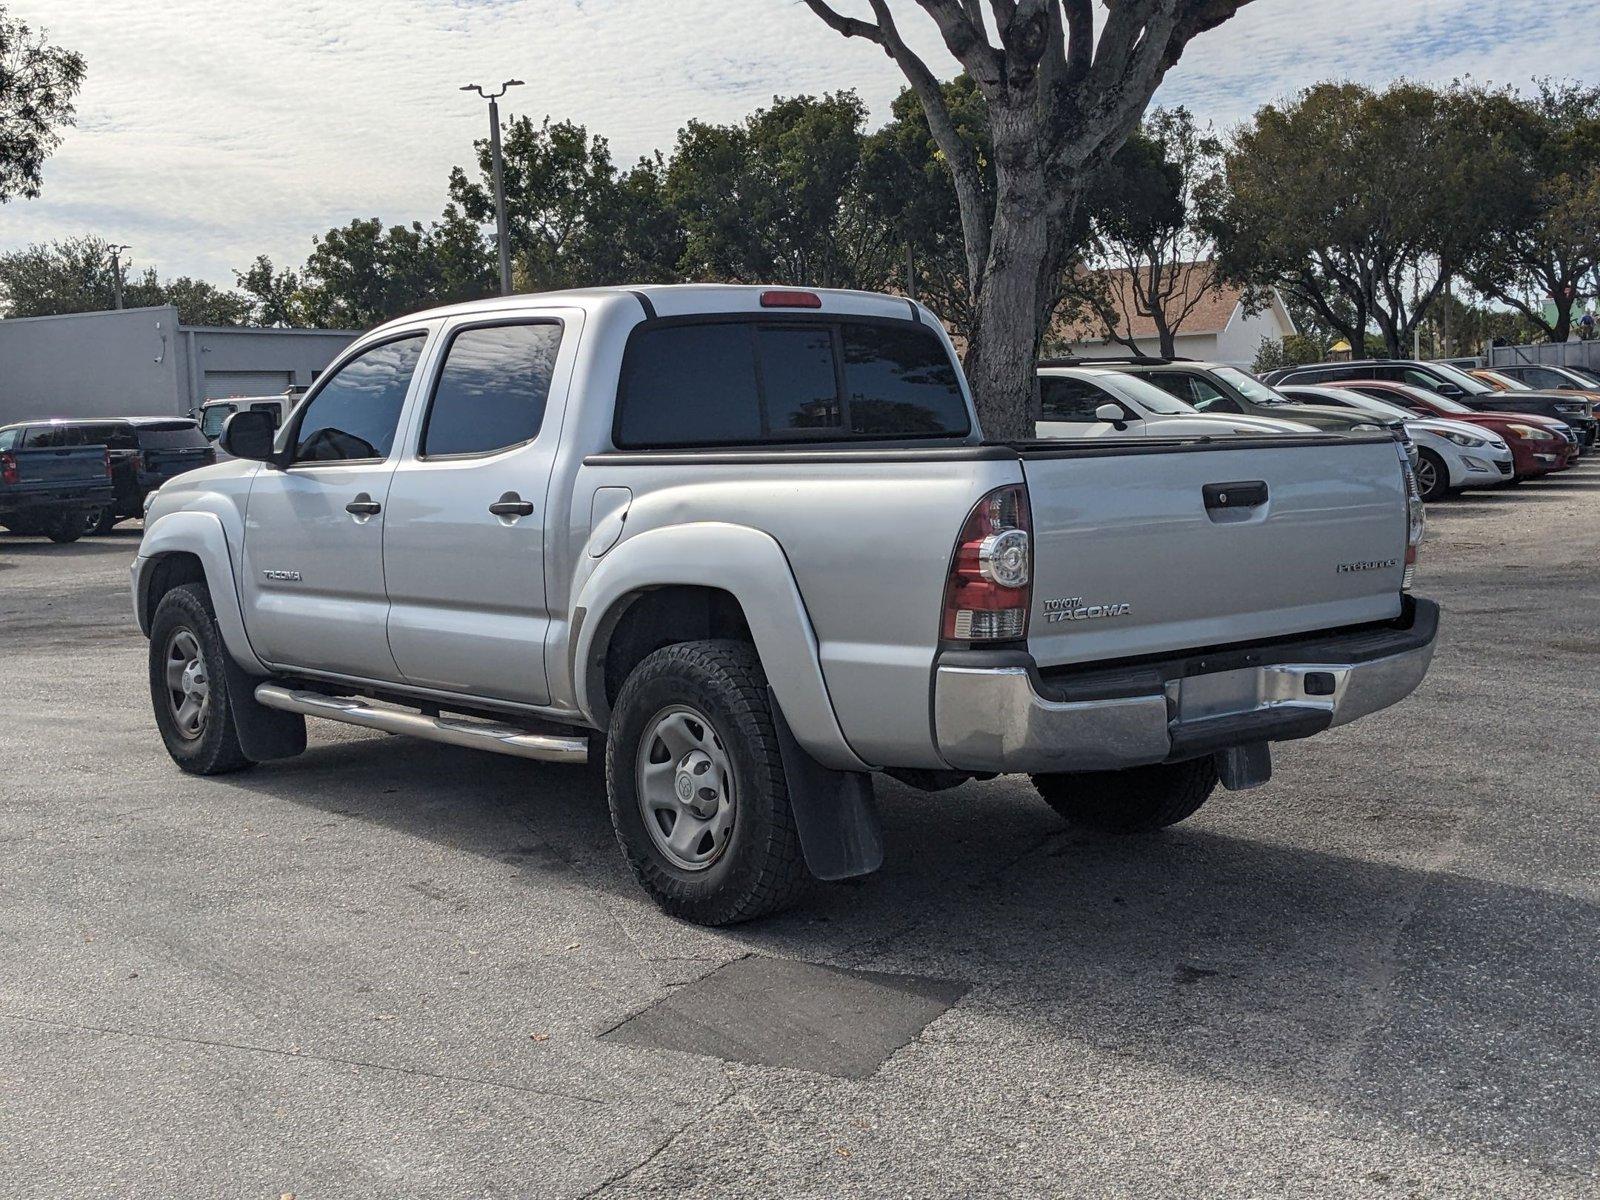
{"points": [[52, 482], [145, 453]]}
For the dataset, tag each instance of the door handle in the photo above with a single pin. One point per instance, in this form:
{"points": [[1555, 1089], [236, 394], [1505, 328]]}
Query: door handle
{"points": [[511, 505], [363, 506], [1248, 493]]}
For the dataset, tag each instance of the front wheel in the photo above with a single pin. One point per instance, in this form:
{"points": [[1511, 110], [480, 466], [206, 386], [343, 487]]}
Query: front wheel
{"points": [[695, 781], [188, 684], [1137, 800], [1433, 476]]}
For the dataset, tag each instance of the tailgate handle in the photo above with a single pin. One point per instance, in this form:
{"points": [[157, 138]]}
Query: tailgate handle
{"points": [[1248, 493]]}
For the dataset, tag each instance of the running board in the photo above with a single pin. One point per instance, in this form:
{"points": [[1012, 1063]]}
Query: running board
{"points": [[474, 735]]}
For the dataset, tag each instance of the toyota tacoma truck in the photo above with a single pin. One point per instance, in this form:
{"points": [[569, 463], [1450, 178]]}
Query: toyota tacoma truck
{"points": [[750, 545]]}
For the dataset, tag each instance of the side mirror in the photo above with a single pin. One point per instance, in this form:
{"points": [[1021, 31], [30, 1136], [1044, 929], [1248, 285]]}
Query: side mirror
{"points": [[1111, 412], [1449, 389], [249, 435]]}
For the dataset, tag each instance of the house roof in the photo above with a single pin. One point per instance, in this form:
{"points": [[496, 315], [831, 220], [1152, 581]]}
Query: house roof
{"points": [[1214, 305]]}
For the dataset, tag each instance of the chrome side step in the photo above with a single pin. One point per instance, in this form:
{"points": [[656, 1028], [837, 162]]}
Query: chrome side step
{"points": [[454, 731]]}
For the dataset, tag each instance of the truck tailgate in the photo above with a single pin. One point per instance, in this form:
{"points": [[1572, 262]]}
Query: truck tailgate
{"points": [[1156, 548], [69, 467]]}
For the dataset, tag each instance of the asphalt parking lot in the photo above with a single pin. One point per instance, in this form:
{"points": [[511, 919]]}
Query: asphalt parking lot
{"points": [[386, 968]]}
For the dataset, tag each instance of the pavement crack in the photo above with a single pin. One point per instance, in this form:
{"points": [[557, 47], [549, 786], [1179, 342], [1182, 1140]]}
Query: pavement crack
{"points": [[299, 1056], [665, 1145]]}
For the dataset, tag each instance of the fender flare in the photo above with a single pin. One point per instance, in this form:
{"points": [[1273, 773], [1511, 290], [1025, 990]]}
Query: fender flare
{"points": [[201, 534], [752, 567]]}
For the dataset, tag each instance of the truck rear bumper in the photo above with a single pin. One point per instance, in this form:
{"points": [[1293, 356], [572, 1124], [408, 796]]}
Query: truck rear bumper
{"points": [[998, 712]]}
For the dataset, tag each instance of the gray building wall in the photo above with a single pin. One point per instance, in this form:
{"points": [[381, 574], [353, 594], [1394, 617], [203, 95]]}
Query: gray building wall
{"points": [[141, 362], [230, 358], [99, 364]]}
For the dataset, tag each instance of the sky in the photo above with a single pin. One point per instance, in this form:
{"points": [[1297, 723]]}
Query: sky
{"points": [[210, 131]]}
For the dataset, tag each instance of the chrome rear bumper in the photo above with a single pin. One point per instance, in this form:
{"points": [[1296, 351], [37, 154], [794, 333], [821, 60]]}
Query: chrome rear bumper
{"points": [[1011, 717]]}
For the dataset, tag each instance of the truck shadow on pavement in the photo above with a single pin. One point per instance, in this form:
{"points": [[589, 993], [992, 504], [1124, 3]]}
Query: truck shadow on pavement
{"points": [[1452, 1008]]}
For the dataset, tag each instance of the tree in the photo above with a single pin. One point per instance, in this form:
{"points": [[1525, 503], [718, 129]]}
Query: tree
{"points": [[274, 295], [75, 275], [1547, 247], [197, 302], [1059, 104], [908, 190], [1147, 226], [1359, 205], [572, 220], [38, 82], [778, 197]]}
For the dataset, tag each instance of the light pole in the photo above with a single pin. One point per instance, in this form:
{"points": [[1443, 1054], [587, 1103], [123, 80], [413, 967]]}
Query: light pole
{"points": [[116, 271], [499, 178]]}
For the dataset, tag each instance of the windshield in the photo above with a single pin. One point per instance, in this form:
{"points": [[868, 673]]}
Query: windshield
{"points": [[1142, 394], [1591, 378], [1469, 385], [211, 420], [1510, 384], [1251, 388]]}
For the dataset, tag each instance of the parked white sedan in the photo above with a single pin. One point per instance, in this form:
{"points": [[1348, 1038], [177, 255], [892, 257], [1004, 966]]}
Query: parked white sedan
{"points": [[1086, 402], [1451, 455]]}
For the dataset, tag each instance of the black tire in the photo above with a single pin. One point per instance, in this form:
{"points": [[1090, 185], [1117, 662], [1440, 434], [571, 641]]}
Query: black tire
{"points": [[214, 749], [760, 868], [68, 527], [1138, 800], [1433, 476], [107, 522]]}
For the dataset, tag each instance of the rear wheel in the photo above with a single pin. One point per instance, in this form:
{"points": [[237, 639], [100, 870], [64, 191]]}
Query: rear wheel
{"points": [[188, 684], [1433, 476], [107, 521], [67, 527], [1138, 800], [698, 796]]}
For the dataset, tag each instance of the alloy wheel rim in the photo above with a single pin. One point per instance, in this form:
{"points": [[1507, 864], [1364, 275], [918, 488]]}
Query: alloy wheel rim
{"points": [[1427, 477], [188, 685], [91, 518], [684, 781]]}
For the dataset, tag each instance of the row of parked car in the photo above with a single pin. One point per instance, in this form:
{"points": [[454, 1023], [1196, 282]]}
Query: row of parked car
{"points": [[1483, 428]]}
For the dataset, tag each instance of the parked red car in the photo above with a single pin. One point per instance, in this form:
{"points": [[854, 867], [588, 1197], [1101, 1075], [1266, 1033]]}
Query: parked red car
{"points": [[1539, 445]]}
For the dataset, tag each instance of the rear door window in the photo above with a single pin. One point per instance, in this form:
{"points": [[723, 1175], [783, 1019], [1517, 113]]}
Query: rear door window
{"points": [[1068, 399], [492, 390], [753, 382], [44, 437]]}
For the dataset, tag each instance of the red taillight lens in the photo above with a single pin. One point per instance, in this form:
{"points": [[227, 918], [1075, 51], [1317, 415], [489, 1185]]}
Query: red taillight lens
{"points": [[989, 588], [110, 472], [790, 299], [8, 468]]}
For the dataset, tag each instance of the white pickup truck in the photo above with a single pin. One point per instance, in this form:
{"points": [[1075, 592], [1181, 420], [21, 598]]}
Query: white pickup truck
{"points": [[752, 543]]}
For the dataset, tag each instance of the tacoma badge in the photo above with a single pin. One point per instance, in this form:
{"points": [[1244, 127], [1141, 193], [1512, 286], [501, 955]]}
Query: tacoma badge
{"points": [[1072, 608]]}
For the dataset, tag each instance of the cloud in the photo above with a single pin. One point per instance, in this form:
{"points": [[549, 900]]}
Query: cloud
{"points": [[211, 131]]}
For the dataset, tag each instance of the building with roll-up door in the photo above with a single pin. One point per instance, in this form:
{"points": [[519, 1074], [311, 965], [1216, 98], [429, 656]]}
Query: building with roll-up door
{"points": [[144, 362]]}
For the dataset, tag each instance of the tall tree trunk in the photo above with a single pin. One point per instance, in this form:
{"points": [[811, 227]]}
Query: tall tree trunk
{"points": [[1006, 343]]}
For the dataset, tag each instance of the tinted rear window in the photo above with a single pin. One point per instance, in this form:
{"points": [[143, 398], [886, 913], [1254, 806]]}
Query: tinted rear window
{"points": [[183, 435], [746, 382]]}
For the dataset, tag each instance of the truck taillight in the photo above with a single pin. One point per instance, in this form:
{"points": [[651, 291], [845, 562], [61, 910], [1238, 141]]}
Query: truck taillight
{"points": [[1416, 523], [110, 471], [988, 591], [8, 468]]}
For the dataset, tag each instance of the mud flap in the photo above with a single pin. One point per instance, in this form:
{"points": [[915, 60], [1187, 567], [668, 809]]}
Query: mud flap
{"points": [[1243, 767], [264, 733], [835, 811]]}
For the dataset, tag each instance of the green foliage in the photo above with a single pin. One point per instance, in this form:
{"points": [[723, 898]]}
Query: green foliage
{"points": [[1546, 242], [573, 220], [1292, 351], [1360, 204], [38, 82], [778, 197], [75, 275]]}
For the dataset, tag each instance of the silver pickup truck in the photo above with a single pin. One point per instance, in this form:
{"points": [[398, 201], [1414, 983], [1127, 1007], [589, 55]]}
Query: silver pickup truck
{"points": [[751, 545]]}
